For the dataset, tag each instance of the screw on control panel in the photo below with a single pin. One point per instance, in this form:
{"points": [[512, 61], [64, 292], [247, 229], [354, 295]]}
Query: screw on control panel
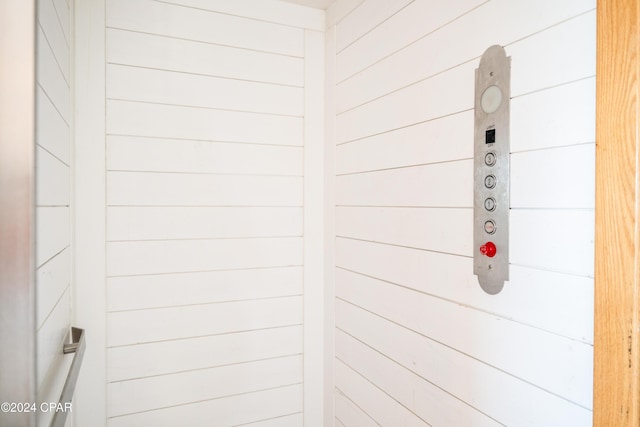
{"points": [[488, 249]]}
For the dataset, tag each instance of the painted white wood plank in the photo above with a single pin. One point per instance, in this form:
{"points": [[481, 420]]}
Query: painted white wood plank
{"points": [[562, 53], [271, 11], [495, 393], [411, 23], [52, 132], [511, 21], [52, 180], [52, 279], [176, 256], [168, 121], [135, 327], [377, 404], [52, 232], [349, 413], [539, 238], [524, 299], [543, 178], [442, 230], [146, 394], [364, 18], [429, 402], [154, 223], [150, 51], [444, 94], [169, 87], [159, 358], [339, 9], [55, 36], [139, 292], [229, 411], [555, 117], [170, 189], [338, 423], [293, 420], [49, 76], [62, 11], [559, 365], [441, 184], [553, 239], [50, 337], [181, 22], [444, 139], [167, 155], [314, 231]]}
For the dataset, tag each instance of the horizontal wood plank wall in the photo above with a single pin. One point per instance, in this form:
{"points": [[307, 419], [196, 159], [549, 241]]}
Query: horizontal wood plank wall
{"points": [[417, 342], [53, 172], [205, 160]]}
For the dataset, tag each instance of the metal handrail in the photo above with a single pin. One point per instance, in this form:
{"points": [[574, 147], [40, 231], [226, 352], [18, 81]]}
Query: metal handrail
{"points": [[77, 346]]}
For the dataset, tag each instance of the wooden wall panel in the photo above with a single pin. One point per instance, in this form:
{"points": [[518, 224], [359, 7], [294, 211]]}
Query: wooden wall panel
{"points": [[177, 289], [230, 410], [163, 53], [203, 384], [168, 87], [409, 312], [153, 223], [190, 354], [553, 363], [127, 153], [171, 189], [177, 21], [493, 392], [205, 146], [617, 365], [367, 15], [169, 121], [471, 36], [412, 21], [134, 327]]}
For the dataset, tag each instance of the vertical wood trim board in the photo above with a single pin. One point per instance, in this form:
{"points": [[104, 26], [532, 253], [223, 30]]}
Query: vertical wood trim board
{"points": [[314, 230], [90, 215], [329, 221], [617, 251]]}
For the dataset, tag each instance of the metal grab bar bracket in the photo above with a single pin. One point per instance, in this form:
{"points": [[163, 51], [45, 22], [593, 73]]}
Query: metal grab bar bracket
{"points": [[77, 346]]}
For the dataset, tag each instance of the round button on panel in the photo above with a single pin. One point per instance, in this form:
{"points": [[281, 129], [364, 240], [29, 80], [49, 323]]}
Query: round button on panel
{"points": [[490, 158], [490, 181], [490, 204], [489, 249], [490, 227]]}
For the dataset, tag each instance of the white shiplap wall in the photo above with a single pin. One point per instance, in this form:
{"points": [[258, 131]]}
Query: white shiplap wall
{"points": [[53, 172], [206, 126], [417, 342]]}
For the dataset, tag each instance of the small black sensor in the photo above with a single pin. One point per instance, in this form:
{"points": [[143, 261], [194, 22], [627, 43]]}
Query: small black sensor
{"points": [[490, 136]]}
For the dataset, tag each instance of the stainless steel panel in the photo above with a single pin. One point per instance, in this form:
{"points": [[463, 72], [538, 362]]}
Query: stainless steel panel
{"points": [[491, 173], [17, 318]]}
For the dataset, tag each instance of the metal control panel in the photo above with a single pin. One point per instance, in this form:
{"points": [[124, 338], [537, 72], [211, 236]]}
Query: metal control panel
{"points": [[491, 173]]}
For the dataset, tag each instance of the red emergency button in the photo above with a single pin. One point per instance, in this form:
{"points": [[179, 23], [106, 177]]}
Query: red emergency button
{"points": [[488, 249]]}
